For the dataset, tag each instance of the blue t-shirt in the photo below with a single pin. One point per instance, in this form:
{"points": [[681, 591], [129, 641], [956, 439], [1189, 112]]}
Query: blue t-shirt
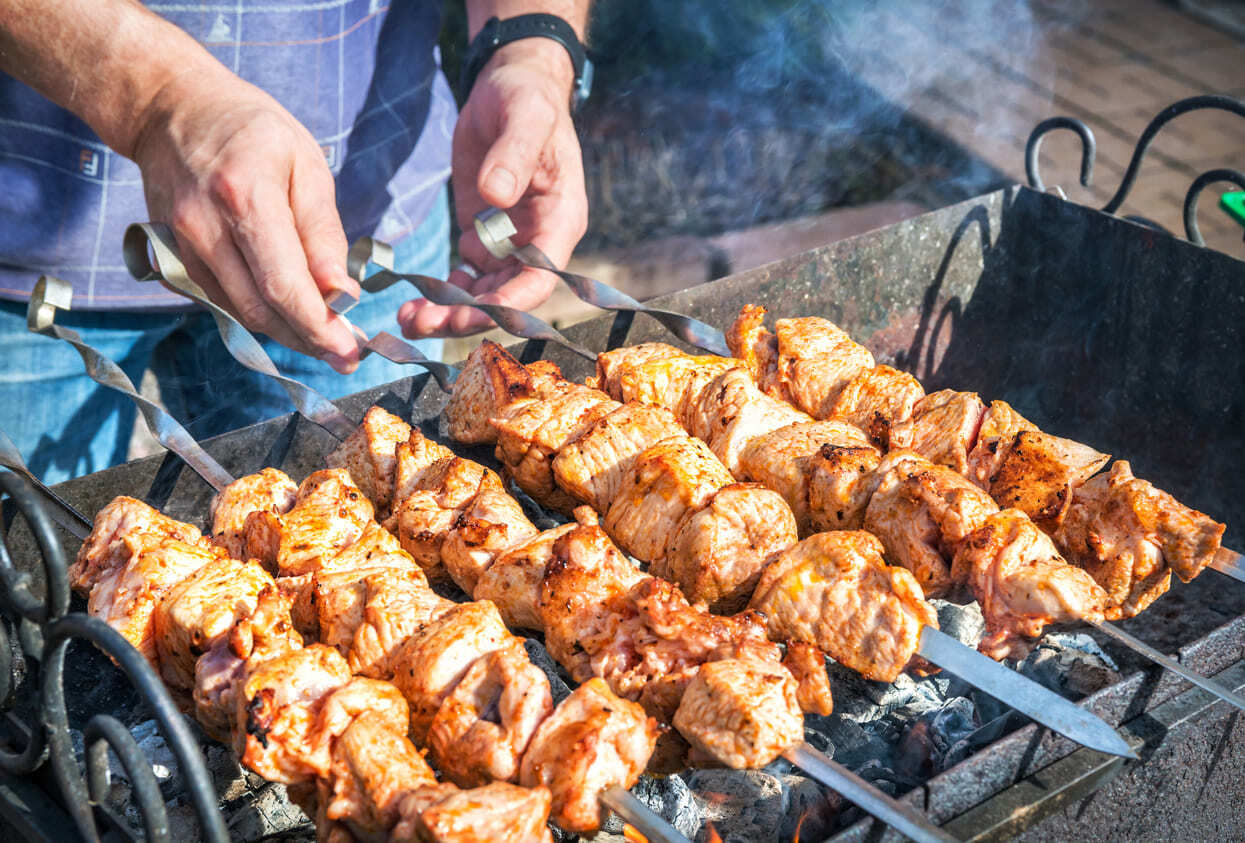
{"points": [[362, 75]]}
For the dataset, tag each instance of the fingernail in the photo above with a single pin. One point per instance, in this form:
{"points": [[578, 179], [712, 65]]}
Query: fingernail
{"points": [[500, 182]]}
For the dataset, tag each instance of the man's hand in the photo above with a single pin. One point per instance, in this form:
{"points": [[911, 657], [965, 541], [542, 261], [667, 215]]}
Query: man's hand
{"points": [[514, 148], [250, 198]]}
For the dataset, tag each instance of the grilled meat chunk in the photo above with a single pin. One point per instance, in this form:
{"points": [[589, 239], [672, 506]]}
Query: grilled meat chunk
{"points": [[492, 522], [784, 459], [921, 512], [369, 454], [751, 342], [1131, 536], [432, 660], [514, 579], [481, 731], [718, 550], [675, 383], [329, 515], [816, 361], [611, 365], [840, 483], [268, 490], [126, 597], [105, 548], [412, 458], [497, 811], [741, 713], [1022, 583], [276, 709], [489, 381], [667, 480], [593, 741], [199, 610], [591, 466], [834, 591], [731, 412], [876, 401], [808, 665], [943, 428]]}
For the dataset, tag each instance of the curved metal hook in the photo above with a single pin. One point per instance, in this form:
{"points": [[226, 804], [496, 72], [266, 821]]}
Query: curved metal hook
{"points": [[103, 731], [55, 569], [1195, 191], [1089, 149], [1164, 117]]}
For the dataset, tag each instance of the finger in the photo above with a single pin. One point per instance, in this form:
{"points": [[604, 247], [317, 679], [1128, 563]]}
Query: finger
{"points": [[264, 230], [421, 318], [313, 201], [525, 291], [524, 128]]}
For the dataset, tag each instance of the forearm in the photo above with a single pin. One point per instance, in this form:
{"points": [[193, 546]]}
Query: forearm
{"points": [[104, 60]]}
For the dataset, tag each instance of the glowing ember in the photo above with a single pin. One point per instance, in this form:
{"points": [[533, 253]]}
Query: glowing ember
{"points": [[800, 823], [712, 835], [631, 834]]}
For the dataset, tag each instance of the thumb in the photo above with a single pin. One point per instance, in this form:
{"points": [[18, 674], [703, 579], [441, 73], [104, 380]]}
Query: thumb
{"points": [[524, 130]]}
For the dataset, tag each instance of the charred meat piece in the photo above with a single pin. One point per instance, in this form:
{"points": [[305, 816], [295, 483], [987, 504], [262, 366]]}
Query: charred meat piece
{"points": [[808, 665], [126, 597], [497, 811], [513, 581], [784, 459], [1022, 583], [269, 490], [1131, 536], [673, 382], [329, 515], [432, 660], [943, 428], [921, 512], [412, 459], [740, 713], [591, 466], [718, 550], [201, 609], [492, 522], [731, 412], [666, 481], [593, 741], [105, 548], [876, 401], [841, 480], [751, 342], [834, 591], [276, 709], [481, 731], [369, 454]]}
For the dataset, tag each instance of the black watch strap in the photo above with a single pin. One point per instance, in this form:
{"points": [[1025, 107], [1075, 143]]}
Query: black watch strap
{"points": [[497, 33]]}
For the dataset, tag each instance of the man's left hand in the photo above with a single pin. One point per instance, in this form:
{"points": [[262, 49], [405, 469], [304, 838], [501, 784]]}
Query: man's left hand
{"points": [[515, 148]]}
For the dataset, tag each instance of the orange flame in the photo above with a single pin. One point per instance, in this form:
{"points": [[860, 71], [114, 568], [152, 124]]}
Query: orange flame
{"points": [[632, 835], [713, 837], [800, 823]]}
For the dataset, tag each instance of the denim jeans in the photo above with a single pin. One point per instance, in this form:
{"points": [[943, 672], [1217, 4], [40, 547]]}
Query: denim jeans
{"points": [[66, 425]]}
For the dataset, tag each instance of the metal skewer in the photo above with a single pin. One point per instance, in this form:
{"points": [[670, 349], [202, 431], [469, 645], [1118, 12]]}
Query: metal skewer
{"points": [[1219, 690], [1228, 563], [367, 250], [52, 294], [142, 236], [62, 512], [495, 229]]}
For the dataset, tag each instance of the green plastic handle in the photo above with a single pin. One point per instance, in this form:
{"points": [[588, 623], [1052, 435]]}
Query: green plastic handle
{"points": [[1234, 204]]}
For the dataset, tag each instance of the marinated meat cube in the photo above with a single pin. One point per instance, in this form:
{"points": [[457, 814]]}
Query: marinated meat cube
{"points": [[840, 483], [591, 466], [200, 610], [276, 708], [757, 348], [675, 383], [740, 713], [718, 551], [126, 597], [269, 490], [105, 547], [783, 460], [808, 665], [667, 480], [1038, 474], [816, 361], [330, 515], [369, 454], [1130, 536], [417, 455], [593, 741], [943, 428], [490, 380], [492, 522], [480, 732], [497, 811], [1022, 583], [834, 591], [513, 581], [876, 401], [731, 412], [921, 512], [428, 665], [611, 365]]}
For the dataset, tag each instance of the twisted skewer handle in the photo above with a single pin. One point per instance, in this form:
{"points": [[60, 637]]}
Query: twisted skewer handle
{"points": [[142, 236], [52, 294], [511, 320], [495, 229], [63, 513]]}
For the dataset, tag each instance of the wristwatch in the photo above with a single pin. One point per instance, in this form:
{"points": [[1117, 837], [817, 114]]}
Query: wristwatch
{"points": [[497, 33]]}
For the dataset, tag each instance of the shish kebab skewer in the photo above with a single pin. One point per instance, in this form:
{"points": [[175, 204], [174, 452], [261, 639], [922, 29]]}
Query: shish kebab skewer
{"points": [[898, 497], [140, 237], [618, 798], [725, 531]]}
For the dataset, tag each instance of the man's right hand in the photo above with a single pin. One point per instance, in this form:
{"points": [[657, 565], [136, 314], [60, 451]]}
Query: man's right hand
{"points": [[250, 198]]}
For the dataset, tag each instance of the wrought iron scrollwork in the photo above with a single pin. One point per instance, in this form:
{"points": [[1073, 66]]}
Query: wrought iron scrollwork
{"points": [[47, 628], [1089, 148]]}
